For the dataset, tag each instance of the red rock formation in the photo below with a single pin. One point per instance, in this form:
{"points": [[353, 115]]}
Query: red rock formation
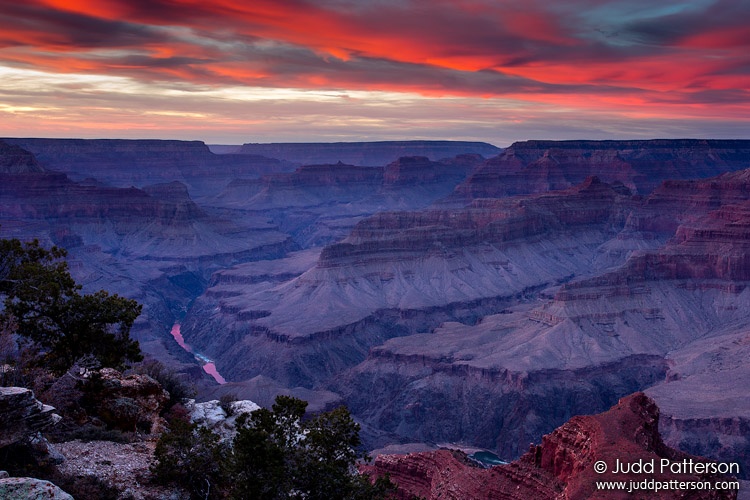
{"points": [[307, 186], [54, 196], [561, 467]]}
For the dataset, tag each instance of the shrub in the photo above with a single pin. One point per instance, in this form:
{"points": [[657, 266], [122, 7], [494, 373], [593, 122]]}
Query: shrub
{"points": [[169, 379], [225, 402], [276, 454], [191, 457]]}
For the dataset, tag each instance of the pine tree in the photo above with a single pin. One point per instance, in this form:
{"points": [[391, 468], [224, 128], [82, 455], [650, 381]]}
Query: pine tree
{"points": [[47, 308]]}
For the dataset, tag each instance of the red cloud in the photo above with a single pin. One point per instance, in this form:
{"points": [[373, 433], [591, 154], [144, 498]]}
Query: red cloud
{"points": [[543, 51]]}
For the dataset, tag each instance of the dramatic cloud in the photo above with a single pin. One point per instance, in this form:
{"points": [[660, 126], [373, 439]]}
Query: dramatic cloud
{"points": [[246, 70]]}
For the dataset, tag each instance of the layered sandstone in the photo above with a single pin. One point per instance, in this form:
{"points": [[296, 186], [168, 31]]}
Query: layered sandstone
{"points": [[126, 163], [310, 185], [561, 467], [153, 244], [605, 310], [536, 166], [437, 265], [319, 204]]}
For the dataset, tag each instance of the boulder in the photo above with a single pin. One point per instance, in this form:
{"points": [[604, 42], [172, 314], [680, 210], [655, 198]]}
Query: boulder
{"points": [[131, 402], [22, 415], [28, 488], [213, 415]]}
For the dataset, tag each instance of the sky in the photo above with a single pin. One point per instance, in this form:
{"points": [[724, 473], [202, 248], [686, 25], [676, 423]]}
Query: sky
{"points": [[237, 71]]}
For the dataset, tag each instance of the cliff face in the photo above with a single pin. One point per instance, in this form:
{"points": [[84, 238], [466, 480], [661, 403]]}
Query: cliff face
{"points": [[126, 163], [155, 222], [160, 244], [438, 264], [562, 466], [367, 153], [411, 170], [318, 204], [535, 166], [307, 186], [154, 244], [16, 160], [54, 196], [484, 221]]}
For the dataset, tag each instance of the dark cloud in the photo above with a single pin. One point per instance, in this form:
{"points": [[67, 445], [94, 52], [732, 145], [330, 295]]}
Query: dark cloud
{"points": [[25, 24]]}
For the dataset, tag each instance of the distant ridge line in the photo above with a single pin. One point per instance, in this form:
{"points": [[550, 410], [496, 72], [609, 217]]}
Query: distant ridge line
{"points": [[376, 153]]}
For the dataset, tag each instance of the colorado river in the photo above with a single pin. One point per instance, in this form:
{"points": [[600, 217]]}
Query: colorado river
{"points": [[208, 365]]}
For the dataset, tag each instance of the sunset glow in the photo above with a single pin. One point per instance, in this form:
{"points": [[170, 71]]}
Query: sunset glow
{"points": [[231, 71]]}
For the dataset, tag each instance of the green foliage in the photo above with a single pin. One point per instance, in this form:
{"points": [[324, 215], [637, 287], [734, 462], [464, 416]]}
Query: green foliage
{"points": [[191, 457], [45, 305], [225, 402], [276, 454]]}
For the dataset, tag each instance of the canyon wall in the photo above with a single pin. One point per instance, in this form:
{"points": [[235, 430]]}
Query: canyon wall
{"points": [[366, 153], [537, 166]]}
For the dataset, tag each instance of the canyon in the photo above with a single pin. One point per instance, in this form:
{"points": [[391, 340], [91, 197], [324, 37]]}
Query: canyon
{"points": [[479, 301]]}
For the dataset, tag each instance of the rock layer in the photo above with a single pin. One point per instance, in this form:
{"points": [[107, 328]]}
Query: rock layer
{"points": [[22, 415], [562, 466], [15, 160], [367, 153], [536, 166], [125, 163], [437, 264]]}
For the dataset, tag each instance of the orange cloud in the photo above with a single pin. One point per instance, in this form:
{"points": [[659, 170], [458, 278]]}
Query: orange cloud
{"points": [[674, 60]]}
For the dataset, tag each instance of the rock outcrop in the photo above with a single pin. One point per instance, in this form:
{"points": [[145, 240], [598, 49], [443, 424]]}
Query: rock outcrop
{"points": [[489, 323], [309, 186], [22, 415], [319, 204], [493, 324], [562, 466], [219, 417], [16, 160], [672, 316], [28, 488], [106, 230], [130, 403]]}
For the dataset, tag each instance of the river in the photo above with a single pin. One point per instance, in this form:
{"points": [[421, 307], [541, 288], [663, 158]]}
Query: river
{"points": [[208, 365]]}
